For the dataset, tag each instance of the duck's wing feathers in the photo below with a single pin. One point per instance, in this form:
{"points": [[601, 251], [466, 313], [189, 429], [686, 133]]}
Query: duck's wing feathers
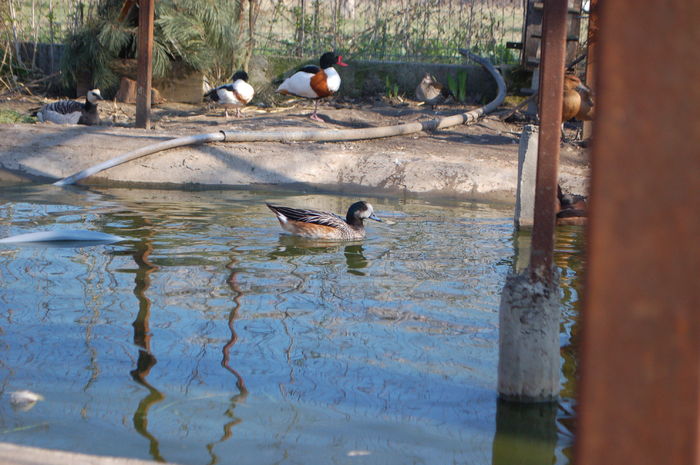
{"points": [[309, 216], [298, 84], [311, 69], [61, 112], [64, 107], [237, 93], [217, 94], [212, 95]]}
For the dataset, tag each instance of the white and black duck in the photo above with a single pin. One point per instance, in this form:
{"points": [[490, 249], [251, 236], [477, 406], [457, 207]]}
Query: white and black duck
{"points": [[315, 82], [72, 111], [236, 94]]}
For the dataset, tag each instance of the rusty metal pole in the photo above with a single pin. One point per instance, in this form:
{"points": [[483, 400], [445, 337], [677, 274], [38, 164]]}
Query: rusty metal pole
{"points": [[551, 95], [590, 58], [639, 397], [529, 313], [144, 71]]}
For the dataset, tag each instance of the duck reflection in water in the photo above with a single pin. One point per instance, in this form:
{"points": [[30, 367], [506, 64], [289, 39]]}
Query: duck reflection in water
{"points": [[355, 259], [295, 246]]}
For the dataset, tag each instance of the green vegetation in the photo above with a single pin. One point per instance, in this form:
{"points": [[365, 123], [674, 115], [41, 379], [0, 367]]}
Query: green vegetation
{"points": [[514, 100], [458, 85], [391, 88], [220, 36], [201, 34], [11, 116], [428, 30]]}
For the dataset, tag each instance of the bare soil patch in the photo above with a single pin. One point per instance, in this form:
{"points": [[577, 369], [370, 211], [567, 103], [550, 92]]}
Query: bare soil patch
{"points": [[491, 142]]}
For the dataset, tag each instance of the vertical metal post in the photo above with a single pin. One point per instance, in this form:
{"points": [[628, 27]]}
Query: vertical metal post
{"points": [[144, 71], [640, 362], [590, 60], [551, 88]]}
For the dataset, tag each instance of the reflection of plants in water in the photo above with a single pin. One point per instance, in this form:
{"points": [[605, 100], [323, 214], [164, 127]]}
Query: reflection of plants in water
{"points": [[569, 257]]}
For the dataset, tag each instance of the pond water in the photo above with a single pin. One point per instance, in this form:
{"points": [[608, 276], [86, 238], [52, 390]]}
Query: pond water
{"points": [[207, 336]]}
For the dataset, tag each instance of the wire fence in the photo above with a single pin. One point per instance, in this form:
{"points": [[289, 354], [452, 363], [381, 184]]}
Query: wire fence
{"points": [[392, 30]]}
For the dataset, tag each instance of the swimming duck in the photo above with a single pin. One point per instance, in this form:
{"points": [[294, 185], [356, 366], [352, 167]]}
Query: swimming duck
{"points": [[237, 94], [314, 82], [314, 224], [572, 209], [432, 92], [71, 111]]}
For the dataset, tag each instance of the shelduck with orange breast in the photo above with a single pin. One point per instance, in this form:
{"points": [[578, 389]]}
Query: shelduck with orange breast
{"points": [[237, 94], [315, 82]]}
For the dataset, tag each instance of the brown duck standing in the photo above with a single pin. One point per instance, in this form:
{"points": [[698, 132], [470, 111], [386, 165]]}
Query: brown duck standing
{"points": [[578, 100], [432, 92]]}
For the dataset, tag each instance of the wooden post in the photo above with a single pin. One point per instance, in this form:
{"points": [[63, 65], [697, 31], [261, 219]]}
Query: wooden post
{"points": [[528, 362], [551, 89], [639, 397], [144, 72]]}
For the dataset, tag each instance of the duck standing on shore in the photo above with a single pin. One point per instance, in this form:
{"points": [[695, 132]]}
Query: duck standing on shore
{"points": [[431, 91], [72, 111], [315, 82], [236, 94], [314, 224]]}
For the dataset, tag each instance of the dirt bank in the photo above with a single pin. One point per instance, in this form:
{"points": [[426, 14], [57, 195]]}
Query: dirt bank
{"points": [[472, 162]]}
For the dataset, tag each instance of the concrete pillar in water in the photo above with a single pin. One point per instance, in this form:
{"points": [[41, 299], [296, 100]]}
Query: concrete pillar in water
{"points": [[528, 363], [527, 174]]}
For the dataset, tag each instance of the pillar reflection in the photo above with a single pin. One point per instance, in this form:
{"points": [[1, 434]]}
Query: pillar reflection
{"points": [[142, 338], [226, 363]]}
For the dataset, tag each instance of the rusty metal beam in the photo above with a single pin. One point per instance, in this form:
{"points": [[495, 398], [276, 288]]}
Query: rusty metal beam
{"points": [[144, 71], [640, 380], [590, 58], [553, 54]]}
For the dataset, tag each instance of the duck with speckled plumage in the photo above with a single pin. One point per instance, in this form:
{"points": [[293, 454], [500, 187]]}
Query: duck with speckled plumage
{"points": [[315, 224]]}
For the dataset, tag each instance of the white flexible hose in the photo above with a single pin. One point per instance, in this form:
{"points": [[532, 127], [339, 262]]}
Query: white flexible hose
{"points": [[310, 134]]}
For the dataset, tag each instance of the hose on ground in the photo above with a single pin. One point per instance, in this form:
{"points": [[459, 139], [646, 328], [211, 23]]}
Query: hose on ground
{"points": [[309, 134]]}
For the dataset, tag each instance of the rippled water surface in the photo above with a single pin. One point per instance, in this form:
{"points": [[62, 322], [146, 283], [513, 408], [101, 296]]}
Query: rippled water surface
{"points": [[207, 336]]}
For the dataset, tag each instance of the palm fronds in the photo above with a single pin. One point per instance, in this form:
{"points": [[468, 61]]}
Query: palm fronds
{"points": [[203, 35]]}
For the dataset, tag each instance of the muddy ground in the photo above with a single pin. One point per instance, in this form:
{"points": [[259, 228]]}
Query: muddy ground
{"points": [[478, 161]]}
